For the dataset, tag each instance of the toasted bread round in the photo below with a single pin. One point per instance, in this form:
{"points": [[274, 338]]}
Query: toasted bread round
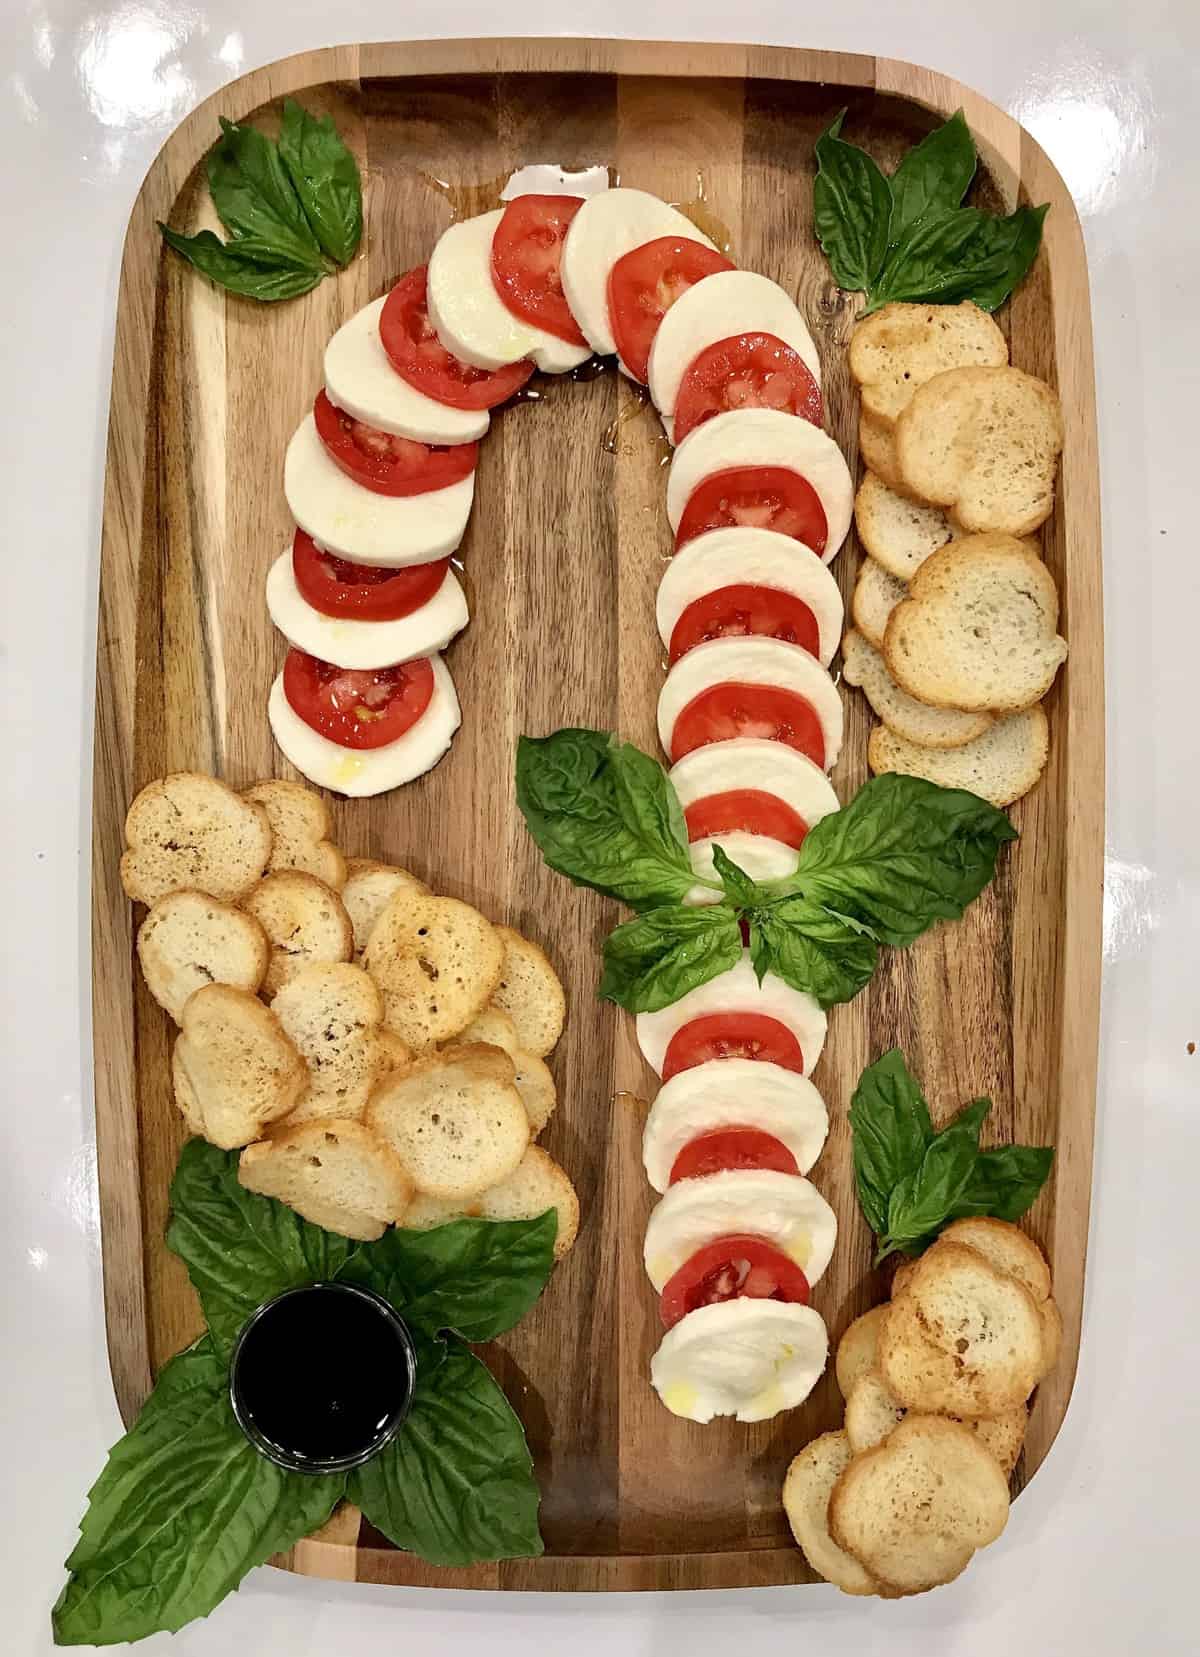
{"points": [[856, 1349], [1052, 1335], [876, 595], [189, 939], [904, 1270], [305, 921], [901, 346], [332, 1013], [898, 533], [437, 962], [877, 446], [530, 993], [494, 1028], [301, 826], [862, 665], [1007, 1247], [368, 890], [535, 1084], [336, 1174], [234, 1069], [455, 1120], [806, 1489], [1001, 765], [984, 442], [537, 1184], [873, 1414], [190, 831]]}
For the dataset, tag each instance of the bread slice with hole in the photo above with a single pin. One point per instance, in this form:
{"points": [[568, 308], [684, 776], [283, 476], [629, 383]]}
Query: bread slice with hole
{"points": [[368, 890], [899, 533], [234, 1069], [305, 922], [1008, 1248], [189, 939], [336, 1174], [862, 665], [436, 961], [856, 1349], [191, 831], [876, 595], [806, 1491], [530, 992], [978, 628], [333, 1012], [873, 1414], [984, 443], [1001, 765], [901, 346], [455, 1120], [538, 1183], [301, 826]]}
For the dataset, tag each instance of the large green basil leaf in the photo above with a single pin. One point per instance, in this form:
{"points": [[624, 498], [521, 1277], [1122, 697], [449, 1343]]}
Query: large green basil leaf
{"points": [[828, 956], [933, 177], [891, 1126], [232, 265], [924, 1200], [961, 254], [852, 207], [254, 197], [325, 176], [652, 961], [1005, 1182]]}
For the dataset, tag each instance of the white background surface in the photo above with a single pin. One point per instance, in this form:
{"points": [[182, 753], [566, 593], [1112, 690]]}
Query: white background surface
{"points": [[1100, 1556]]}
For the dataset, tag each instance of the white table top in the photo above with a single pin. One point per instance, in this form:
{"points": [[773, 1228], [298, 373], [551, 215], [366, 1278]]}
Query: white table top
{"points": [[1100, 1555]]}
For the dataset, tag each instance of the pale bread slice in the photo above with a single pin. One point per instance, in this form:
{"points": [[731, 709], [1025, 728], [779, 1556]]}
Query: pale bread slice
{"points": [[336, 1174], [301, 826], [901, 346], [305, 921], [862, 665], [1007, 1247], [535, 1084], [876, 595], [368, 890], [493, 1027], [985, 443], [877, 446], [188, 830], [873, 1414], [189, 939], [455, 1120], [806, 1490], [856, 1349], [1001, 765], [530, 992], [978, 628], [437, 962], [1052, 1335], [904, 1270], [538, 1183], [233, 1067], [332, 1012], [899, 533]]}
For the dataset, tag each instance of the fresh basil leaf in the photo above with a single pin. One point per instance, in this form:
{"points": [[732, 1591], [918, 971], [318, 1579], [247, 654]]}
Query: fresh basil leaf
{"points": [[239, 1248], [813, 949], [1005, 1182], [653, 960], [902, 854], [231, 266], [924, 1200], [605, 815], [183, 1509], [476, 1277], [934, 176], [456, 1484], [962, 254], [254, 198], [852, 207], [325, 176], [891, 1127], [739, 888]]}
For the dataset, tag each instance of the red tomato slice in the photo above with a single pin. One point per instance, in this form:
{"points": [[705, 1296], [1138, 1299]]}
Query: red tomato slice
{"points": [[746, 371], [758, 497], [644, 284], [357, 709], [418, 355], [732, 1268], [526, 256], [360, 592], [752, 810], [731, 710], [732, 1148], [386, 464], [732, 1036], [744, 610]]}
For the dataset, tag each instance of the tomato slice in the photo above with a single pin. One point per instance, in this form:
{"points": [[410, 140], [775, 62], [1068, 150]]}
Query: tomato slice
{"points": [[746, 371], [757, 497], [752, 810], [526, 258], [644, 284], [732, 1036], [730, 710], [744, 610], [732, 1148], [418, 355], [387, 464], [357, 709], [360, 592], [732, 1268]]}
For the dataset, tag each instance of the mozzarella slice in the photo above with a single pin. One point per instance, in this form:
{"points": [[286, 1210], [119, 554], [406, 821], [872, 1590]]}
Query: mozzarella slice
{"points": [[736, 991], [759, 855], [728, 303], [764, 437], [360, 379], [604, 230], [471, 319], [733, 1093], [751, 557], [785, 1209], [360, 772], [363, 644], [747, 1358], [752, 661], [547, 178], [346, 518]]}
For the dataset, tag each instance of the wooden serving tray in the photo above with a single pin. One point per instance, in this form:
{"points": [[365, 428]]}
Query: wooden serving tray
{"points": [[563, 557]]}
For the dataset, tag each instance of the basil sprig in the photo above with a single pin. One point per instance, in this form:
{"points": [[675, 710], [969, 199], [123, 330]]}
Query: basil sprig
{"points": [[909, 237], [293, 210]]}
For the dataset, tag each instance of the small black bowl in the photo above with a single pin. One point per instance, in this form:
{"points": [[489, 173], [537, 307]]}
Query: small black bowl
{"points": [[322, 1377]]}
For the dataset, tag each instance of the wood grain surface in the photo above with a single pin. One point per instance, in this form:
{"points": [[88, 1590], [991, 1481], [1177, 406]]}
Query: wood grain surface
{"points": [[562, 559]]}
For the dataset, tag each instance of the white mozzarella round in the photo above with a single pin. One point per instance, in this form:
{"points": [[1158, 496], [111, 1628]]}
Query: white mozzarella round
{"points": [[547, 178], [752, 661], [346, 518], [471, 319], [363, 644], [360, 379], [733, 1093], [759, 855], [726, 304], [604, 230], [747, 1358], [764, 437], [740, 556], [736, 991], [785, 1210], [360, 772]]}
